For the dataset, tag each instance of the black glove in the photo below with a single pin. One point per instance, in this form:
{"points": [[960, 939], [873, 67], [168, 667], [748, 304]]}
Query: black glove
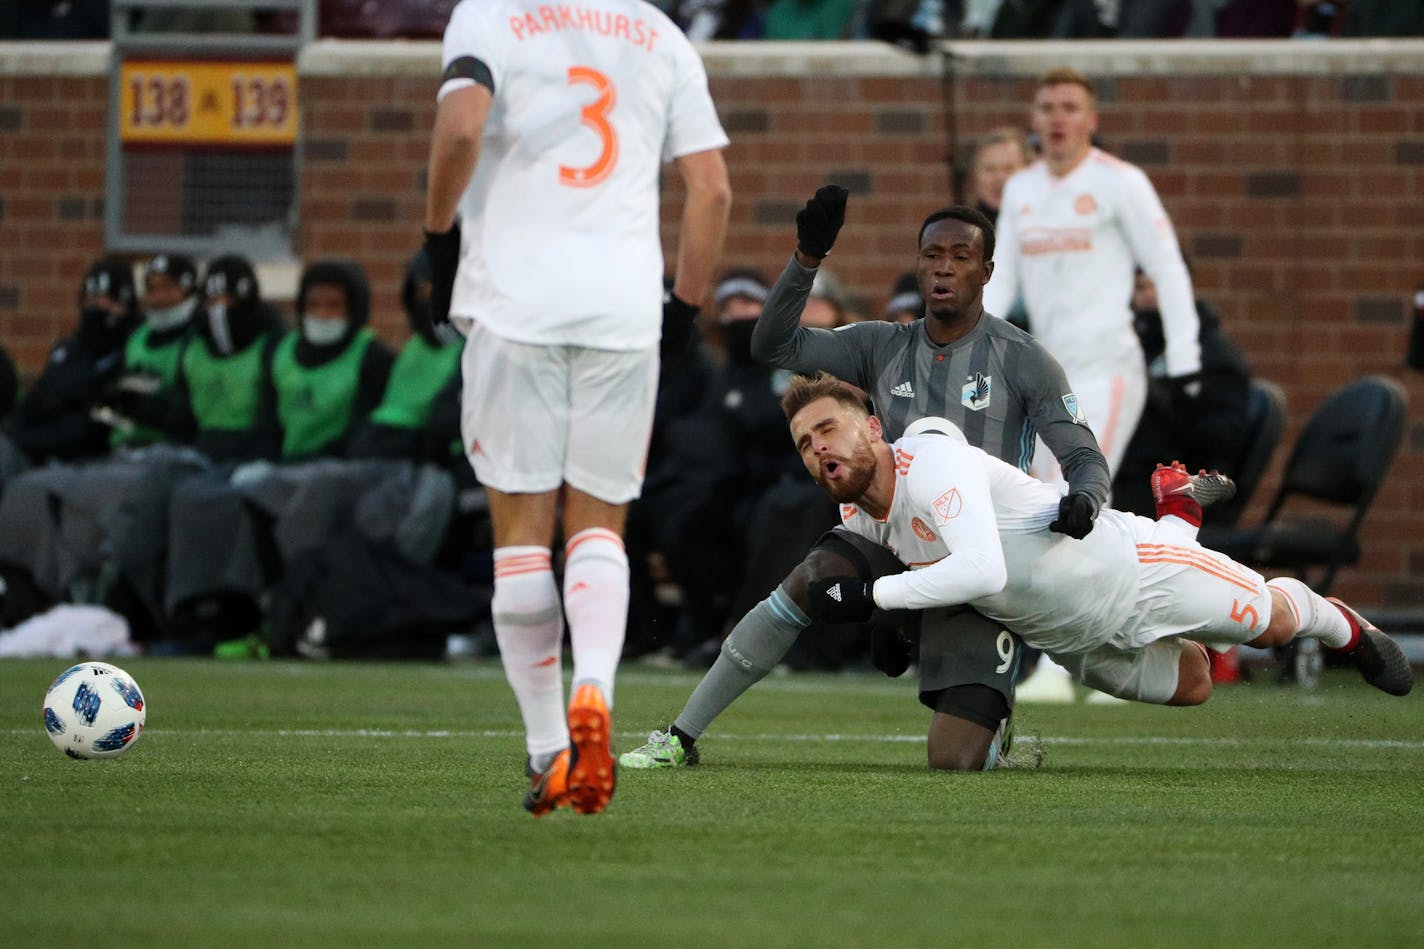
{"points": [[841, 600], [818, 223], [679, 329], [1185, 390], [891, 650], [443, 252], [1075, 516]]}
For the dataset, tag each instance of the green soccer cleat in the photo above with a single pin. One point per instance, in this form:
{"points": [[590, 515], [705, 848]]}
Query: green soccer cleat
{"points": [[663, 750]]}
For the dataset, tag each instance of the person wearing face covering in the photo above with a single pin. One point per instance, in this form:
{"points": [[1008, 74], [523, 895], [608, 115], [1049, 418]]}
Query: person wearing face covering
{"points": [[419, 416], [328, 375], [729, 453], [225, 402], [331, 371], [66, 528], [221, 410], [1208, 432], [139, 404], [372, 533], [54, 421]]}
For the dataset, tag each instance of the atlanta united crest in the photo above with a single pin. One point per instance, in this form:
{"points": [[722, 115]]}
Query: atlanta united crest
{"points": [[1070, 402], [976, 392]]}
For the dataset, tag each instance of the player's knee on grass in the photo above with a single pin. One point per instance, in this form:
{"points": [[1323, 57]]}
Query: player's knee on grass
{"points": [[963, 727], [819, 563]]}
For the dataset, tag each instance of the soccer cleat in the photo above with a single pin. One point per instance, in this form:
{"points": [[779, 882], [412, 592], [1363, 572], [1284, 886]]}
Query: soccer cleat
{"points": [[662, 750], [593, 773], [549, 791], [1205, 487], [1380, 660]]}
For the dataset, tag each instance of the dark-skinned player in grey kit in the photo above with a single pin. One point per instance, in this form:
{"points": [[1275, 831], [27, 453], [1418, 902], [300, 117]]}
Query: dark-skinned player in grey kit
{"points": [[992, 381]]}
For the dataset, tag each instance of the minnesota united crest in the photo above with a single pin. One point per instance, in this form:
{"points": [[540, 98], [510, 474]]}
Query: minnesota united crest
{"points": [[976, 392], [1070, 402]]}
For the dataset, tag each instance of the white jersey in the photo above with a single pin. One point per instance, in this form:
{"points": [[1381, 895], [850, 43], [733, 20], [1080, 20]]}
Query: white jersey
{"points": [[560, 223], [975, 530], [1070, 246]]}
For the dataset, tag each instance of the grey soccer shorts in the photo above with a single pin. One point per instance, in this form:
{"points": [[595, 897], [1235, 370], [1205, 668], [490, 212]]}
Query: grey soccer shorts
{"points": [[958, 646]]}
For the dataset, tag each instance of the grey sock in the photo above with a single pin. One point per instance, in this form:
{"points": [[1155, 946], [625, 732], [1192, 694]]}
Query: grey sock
{"points": [[754, 647]]}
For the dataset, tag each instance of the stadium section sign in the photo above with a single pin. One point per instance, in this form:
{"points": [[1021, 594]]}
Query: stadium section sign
{"points": [[208, 102]]}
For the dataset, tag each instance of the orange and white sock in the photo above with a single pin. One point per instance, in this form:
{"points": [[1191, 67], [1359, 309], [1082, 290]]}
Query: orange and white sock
{"points": [[528, 624], [1316, 617], [596, 603]]}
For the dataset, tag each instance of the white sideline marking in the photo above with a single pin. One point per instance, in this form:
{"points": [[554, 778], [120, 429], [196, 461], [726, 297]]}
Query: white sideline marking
{"points": [[1368, 743]]}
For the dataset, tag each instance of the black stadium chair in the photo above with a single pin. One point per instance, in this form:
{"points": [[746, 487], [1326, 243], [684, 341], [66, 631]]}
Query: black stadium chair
{"points": [[1265, 417], [1338, 462]]}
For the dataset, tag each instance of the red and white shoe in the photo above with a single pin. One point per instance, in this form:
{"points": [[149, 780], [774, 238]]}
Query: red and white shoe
{"points": [[1380, 660], [1178, 492]]}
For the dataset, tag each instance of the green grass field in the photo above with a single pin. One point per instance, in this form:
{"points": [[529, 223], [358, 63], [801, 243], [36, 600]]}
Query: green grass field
{"points": [[340, 804]]}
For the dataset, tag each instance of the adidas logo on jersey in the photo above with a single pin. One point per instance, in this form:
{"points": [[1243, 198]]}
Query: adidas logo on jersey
{"points": [[904, 390], [835, 593]]}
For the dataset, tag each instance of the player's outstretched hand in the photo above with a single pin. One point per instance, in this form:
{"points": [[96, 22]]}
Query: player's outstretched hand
{"points": [[1075, 515], [818, 223], [841, 600], [679, 329], [443, 252]]}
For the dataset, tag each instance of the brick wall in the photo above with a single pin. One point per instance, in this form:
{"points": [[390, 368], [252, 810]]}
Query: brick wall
{"points": [[1294, 172]]}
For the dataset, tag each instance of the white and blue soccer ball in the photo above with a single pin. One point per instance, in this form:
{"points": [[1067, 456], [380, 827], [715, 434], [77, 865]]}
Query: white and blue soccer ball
{"points": [[94, 710]]}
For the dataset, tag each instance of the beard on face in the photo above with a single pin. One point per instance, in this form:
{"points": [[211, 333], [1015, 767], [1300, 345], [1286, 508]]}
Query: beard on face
{"points": [[859, 472]]}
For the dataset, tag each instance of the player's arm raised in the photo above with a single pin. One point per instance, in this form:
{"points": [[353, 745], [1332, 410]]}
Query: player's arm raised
{"points": [[779, 338]]}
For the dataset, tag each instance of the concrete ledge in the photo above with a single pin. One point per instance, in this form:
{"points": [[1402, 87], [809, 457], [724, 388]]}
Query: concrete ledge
{"points": [[992, 58], [42, 58], [977, 58]]}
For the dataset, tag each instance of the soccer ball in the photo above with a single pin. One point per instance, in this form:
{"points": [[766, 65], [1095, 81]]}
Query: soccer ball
{"points": [[94, 710]]}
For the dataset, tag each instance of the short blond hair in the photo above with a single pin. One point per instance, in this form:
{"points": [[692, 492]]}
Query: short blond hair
{"points": [[1063, 76], [807, 389]]}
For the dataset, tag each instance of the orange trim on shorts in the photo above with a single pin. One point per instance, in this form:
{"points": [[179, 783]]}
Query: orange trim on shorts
{"points": [[1185, 556]]}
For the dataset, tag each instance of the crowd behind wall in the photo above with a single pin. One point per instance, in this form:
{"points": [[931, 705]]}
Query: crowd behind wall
{"points": [[1254, 188], [910, 22]]}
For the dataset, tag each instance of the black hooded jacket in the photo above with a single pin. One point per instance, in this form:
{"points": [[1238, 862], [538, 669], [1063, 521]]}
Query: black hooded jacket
{"points": [[375, 363], [221, 336], [55, 419]]}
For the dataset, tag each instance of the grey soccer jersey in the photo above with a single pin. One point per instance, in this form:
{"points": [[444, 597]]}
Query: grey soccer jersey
{"points": [[997, 384]]}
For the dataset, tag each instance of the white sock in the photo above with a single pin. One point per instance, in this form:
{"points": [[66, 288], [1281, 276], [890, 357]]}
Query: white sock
{"points": [[1315, 617], [528, 625], [596, 602]]}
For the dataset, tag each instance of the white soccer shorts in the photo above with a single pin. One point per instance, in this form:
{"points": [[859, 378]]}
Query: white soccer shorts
{"points": [[535, 417], [1189, 591]]}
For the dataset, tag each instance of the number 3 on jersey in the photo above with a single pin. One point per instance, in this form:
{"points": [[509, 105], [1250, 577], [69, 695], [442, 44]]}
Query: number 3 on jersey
{"points": [[595, 116]]}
